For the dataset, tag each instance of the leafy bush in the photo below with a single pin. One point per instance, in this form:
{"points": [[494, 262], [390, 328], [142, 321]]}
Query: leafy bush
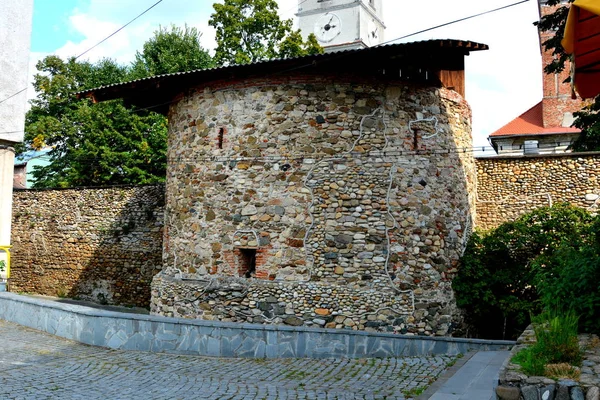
{"points": [[496, 279], [492, 286], [570, 279]]}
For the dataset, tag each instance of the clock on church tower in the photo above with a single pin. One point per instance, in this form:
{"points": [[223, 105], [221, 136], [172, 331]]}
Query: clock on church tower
{"points": [[342, 24]]}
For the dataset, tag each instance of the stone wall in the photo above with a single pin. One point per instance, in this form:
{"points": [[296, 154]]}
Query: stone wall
{"points": [[513, 383], [319, 202], [103, 245], [510, 186], [117, 330]]}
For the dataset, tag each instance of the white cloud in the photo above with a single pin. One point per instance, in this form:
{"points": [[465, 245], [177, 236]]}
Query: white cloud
{"points": [[501, 82]]}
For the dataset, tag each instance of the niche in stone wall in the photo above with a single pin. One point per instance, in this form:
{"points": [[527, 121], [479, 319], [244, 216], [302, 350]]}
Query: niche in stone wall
{"points": [[243, 259], [221, 137], [246, 261]]}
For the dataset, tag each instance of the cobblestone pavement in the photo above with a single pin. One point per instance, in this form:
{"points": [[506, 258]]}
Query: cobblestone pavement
{"points": [[35, 365]]}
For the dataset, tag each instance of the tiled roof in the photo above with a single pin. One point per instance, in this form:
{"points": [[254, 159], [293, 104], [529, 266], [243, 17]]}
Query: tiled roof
{"points": [[531, 122]]}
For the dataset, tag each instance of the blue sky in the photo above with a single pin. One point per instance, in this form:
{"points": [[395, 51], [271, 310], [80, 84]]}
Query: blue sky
{"points": [[51, 24], [501, 83]]}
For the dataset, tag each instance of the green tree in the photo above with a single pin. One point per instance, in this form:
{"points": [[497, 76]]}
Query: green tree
{"points": [[169, 51], [251, 30], [92, 144], [588, 119], [496, 283], [105, 143]]}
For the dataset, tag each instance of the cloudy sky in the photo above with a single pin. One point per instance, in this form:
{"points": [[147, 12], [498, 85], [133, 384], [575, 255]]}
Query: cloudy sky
{"points": [[501, 83]]}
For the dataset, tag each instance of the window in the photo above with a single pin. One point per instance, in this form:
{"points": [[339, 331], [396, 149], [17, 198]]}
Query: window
{"points": [[220, 137], [247, 262]]}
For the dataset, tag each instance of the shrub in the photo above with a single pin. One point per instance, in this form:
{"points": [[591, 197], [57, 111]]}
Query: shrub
{"points": [[497, 275], [570, 279], [493, 287]]}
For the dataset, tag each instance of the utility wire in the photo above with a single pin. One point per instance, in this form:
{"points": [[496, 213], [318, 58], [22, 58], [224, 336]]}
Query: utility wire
{"points": [[387, 42], [381, 44], [453, 22], [312, 157], [120, 29], [13, 95], [96, 45]]}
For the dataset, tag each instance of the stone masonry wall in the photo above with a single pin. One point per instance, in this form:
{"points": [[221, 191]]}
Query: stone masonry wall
{"points": [[305, 202], [103, 245], [511, 186]]}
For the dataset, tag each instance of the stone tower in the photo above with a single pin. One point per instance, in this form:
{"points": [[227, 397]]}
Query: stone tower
{"points": [[342, 24]]}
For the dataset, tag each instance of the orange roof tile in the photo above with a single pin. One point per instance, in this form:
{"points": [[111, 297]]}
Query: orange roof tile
{"points": [[531, 122]]}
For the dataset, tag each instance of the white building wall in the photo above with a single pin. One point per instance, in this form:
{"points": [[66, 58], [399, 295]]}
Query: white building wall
{"points": [[357, 18], [15, 37]]}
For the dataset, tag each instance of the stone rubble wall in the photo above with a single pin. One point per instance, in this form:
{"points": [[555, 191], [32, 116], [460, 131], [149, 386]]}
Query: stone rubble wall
{"points": [[319, 182], [103, 245], [126, 331], [509, 187], [513, 384]]}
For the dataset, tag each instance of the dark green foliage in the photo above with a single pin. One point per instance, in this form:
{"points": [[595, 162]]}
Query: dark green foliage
{"points": [[92, 144], [250, 30], [492, 286], [570, 279], [170, 51], [555, 22], [105, 143], [495, 284], [588, 120]]}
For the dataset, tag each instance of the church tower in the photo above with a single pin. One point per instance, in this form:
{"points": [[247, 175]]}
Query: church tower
{"points": [[342, 24]]}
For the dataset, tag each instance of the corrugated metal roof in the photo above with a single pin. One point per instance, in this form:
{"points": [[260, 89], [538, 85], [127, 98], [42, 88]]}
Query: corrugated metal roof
{"points": [[463, 44], [152, 90]]}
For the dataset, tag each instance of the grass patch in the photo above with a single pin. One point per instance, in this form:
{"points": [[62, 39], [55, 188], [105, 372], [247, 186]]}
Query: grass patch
{"points": [[296, 374], [556, 345], [414, 392], [562, 371]]}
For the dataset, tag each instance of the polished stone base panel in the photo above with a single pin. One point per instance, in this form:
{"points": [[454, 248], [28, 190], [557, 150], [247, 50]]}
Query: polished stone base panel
{"points": [[212, 338]]}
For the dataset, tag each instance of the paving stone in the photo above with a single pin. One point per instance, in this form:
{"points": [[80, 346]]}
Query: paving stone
{"points": [[36, 365], [593, 393]]}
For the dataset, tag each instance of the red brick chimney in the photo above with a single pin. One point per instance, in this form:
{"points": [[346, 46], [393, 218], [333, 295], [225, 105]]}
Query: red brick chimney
{"points": [[557, 104]]}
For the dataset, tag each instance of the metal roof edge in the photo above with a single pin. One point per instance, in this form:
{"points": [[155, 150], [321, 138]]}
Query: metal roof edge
{"points": [[451, 43]]}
